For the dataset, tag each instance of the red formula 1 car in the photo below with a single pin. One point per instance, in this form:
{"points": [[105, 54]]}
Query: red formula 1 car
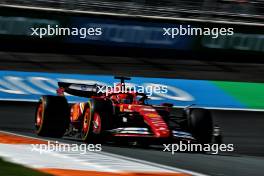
{"points": [[118, 115]]}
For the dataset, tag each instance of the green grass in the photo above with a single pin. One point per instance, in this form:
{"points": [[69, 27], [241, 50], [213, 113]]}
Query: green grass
{"points": [[10, 169]]}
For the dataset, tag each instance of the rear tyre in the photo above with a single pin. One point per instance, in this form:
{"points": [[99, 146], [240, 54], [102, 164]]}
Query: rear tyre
{"points": [[52, 116], [96, 120], [200, 124]]}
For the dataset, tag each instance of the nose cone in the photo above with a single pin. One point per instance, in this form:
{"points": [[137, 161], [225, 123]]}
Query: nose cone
{"points": [[156, 122]]}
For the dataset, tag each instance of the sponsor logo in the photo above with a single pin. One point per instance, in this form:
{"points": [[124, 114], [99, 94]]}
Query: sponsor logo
{"points": [[152, 115]]}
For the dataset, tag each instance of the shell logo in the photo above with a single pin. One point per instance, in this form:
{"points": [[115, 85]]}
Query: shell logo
{"points": [[121, 108], [152, 115]]}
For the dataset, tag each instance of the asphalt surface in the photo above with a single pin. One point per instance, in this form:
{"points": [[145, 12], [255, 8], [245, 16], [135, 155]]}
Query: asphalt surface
{"points": [[169, 67], [243, 129]]}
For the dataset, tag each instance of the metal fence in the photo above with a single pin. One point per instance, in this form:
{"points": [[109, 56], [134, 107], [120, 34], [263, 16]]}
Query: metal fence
{"points": [[167, 8]]}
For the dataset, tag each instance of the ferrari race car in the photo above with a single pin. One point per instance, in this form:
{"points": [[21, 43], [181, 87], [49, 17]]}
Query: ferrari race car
{"points": [[119, 116]]}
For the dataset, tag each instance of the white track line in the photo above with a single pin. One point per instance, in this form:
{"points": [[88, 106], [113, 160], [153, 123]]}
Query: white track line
{"points": [[127, 15], [117, 160]]}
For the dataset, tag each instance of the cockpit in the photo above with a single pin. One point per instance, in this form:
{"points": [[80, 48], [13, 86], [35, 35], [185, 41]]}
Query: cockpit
{"points": [[129, 98]]}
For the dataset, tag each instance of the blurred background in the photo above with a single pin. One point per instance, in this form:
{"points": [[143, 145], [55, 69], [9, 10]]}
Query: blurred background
{"points": [[132, 31], [241, 9]]}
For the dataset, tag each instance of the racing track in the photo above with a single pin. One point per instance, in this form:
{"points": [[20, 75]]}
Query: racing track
{"points": [[236, 125]]}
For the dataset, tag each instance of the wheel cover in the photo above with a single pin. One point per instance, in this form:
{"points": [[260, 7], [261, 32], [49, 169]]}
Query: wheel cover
{"points": [[97, 123]]}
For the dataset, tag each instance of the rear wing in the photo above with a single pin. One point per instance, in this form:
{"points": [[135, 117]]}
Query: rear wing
{"points": [[81, 90]]}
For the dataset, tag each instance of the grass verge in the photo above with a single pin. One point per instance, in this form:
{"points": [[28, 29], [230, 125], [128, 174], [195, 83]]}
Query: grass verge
{"points": [[10, 169]]}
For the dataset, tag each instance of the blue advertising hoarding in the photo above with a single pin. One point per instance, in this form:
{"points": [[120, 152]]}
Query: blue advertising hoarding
{"points": [[29, 86], [130, 34]]}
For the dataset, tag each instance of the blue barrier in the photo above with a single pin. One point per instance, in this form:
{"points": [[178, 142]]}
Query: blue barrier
{"points": [[29, 86]]}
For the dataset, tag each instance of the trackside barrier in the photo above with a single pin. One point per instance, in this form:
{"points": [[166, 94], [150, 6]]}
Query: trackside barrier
{"points": [[29, 86], [132, 32]]}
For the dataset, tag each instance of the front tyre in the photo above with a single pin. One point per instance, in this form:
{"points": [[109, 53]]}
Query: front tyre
{"points": [[52, 116], [200, 124]]}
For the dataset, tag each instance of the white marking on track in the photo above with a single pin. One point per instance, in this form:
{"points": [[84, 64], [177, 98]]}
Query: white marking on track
{"points": [[92, 161], [128, 15]]}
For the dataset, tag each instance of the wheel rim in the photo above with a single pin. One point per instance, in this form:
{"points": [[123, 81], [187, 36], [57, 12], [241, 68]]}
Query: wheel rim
{"points": [[97, 123], [86, 120], [39, 118]]}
